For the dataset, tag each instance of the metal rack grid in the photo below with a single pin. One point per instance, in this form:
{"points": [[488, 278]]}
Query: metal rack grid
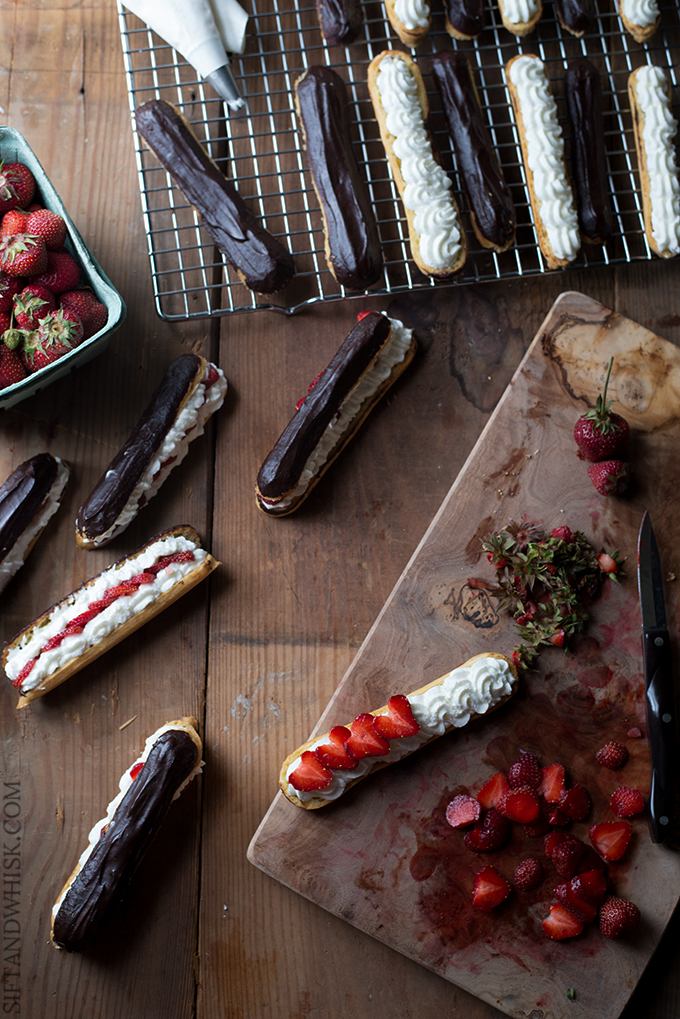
{"points": [[261, 148]]}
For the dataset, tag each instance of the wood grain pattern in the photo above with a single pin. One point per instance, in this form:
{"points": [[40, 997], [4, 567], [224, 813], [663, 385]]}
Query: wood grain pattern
{"points": [[256, 656], [382, 857]]}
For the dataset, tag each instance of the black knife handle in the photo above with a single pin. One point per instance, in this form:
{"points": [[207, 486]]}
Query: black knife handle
{"points": [[661, 730]]}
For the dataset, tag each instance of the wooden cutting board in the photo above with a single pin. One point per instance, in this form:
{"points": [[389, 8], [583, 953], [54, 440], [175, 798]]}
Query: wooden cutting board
{"points": [[383, 857]]}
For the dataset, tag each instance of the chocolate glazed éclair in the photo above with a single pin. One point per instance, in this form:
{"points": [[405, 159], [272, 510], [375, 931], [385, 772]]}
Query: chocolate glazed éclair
{"points": [[575, 15], [105, 503], [22, 495], [352, 242], [340, 20], [488, 195], [97, 887], [464, 18], [281, 470], [262, 261], [584, 102]]}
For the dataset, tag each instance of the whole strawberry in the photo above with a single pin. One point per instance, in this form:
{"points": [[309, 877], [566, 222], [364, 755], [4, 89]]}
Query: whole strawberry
{"points": [[9, 287], [599, 434], [48, 225], [610, 477], [92, 313], [13, 222], [32, 304], [62, 272], [17, 186], [23, 255], [11, 368], [57, 334]]}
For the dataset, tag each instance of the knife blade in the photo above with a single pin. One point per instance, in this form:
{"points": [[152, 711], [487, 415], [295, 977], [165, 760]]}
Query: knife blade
{"points": [[659, 686]]}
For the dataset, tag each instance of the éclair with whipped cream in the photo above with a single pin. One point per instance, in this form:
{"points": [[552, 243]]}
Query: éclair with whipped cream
{"points": [[540, 135], [371, 358], [191, 390], [471, 691], [170, 760], [103, 611], [655, 132], [438, 242], [520, 16], [640, 18], [410, 19]]}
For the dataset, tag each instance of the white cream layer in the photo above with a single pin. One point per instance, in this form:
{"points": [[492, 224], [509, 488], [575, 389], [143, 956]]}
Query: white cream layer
{"points": [[468, 690], [188, 425], [659, 128], [123, 786], [412, 14], [109, 619], [545, 156], [427, 194], [16, 556], [642, 13], [392, 353], [520, 12]]}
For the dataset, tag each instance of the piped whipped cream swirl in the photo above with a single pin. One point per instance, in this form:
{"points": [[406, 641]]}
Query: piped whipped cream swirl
{"points": [[545, 156], [450, 703], [520, 12], [412, 13], [109, 619], [427, 194], [392, 353], [640, 12], [659, 128]]}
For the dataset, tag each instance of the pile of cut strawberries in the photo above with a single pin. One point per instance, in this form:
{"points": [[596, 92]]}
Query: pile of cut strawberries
{"points": [[44, 310], [539, 799]]}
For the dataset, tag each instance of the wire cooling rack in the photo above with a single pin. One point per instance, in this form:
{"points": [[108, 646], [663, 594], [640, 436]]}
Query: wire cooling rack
{"points": [[260, 148]]}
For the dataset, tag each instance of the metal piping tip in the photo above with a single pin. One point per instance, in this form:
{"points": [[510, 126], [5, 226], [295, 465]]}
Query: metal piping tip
{"points": [[224, 83]]}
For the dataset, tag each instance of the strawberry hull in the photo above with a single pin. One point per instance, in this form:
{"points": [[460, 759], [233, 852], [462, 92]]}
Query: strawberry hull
{"points": [[15, 149]]}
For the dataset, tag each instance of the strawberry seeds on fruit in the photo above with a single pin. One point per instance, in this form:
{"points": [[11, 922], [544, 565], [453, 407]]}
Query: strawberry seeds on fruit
{"points": [[599, 433]]}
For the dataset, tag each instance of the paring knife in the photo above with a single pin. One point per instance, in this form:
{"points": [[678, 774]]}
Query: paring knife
{"points": [[660, 693]]}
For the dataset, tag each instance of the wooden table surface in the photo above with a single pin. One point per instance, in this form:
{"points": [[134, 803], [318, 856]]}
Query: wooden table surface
{"points": [[256, 653]]}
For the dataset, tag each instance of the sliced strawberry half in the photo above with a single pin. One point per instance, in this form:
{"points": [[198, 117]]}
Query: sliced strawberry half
{"points": [[627, 802], [552, 840], [333, 754], [611, 838], [490, 794], [398, 721], [521, 805], [310, 773], [462, 811], [557, 818], [566, 856], [561, 923], [575, 803], [364, 741], [583, 911], [552, 783], [490, 833], [489, 890], [590, 887], [526, 770]]}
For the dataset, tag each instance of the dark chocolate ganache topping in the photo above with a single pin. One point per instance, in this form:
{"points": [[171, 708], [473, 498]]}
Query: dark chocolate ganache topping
{"points": [[487, 192], [584, 103], [576, 15], [22, 495], [281, 470], [102, 507], [466, 16], [101, 882], [261, 260], [351, 230], [340, 20]]}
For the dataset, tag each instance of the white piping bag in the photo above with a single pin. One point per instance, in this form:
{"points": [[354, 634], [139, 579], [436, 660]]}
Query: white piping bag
{"points": [[203, 31]]}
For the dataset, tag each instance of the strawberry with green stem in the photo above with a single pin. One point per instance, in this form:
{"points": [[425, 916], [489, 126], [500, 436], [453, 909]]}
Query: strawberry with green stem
{"points": [[57, 334], [17, 186], [23, 255], [600, 434]]}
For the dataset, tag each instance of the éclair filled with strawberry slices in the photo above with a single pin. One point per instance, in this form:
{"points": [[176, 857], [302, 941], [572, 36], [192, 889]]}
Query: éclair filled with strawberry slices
{"points": [[103, 611], [323, 768]]}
